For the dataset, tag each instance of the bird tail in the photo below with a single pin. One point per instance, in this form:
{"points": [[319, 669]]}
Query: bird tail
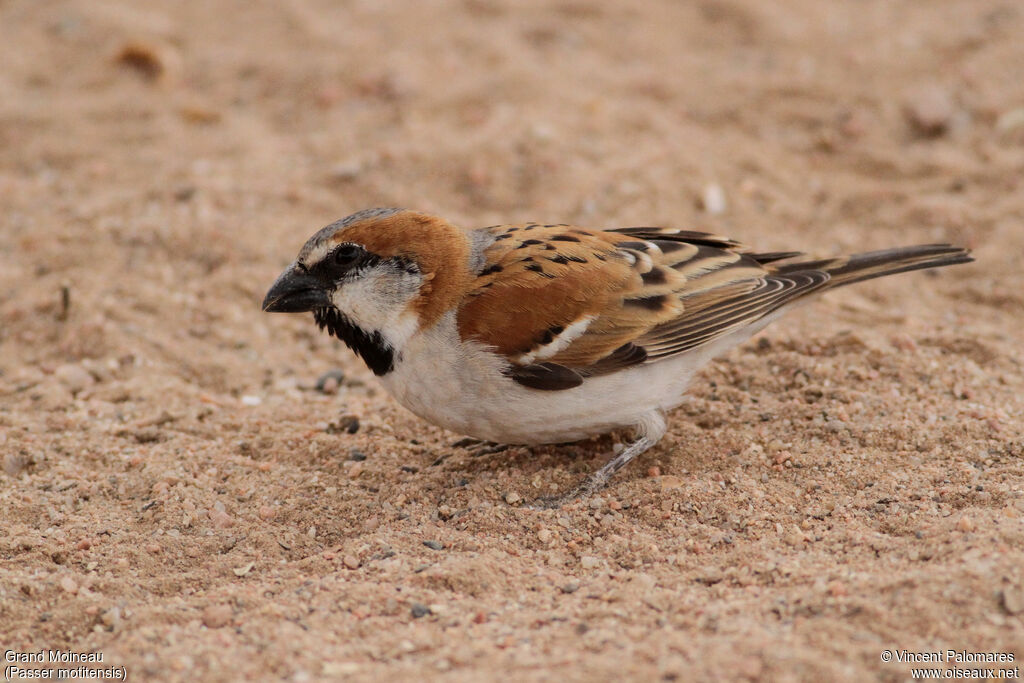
{"points": [[859, 267]]}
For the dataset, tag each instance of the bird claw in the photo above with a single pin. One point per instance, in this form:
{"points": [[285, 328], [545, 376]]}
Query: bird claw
{"points": [[475, 447]]}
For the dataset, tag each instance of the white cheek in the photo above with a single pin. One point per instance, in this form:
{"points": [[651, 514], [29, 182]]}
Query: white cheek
{"points": [[379, 302], [362, 303]]}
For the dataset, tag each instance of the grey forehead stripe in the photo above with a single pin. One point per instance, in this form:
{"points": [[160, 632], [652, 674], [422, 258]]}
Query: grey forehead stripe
{"points": [[327, 231]]}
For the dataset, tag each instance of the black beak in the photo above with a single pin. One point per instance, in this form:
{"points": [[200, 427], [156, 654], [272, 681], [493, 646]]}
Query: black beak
{"points": [[294, 292]]}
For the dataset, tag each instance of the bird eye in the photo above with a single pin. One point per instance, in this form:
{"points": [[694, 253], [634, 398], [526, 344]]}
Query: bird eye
{"points": [[346, 254]]}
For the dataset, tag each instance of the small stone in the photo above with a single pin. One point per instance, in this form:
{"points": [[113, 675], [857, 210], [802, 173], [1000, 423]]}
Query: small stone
{"points": [[84, 544], [710, 576], [13, 464], [244, 569], [903, 342], [837, 589], [347, 424], [434, 545], [596, 503], [153, 548], [965, 524], [111, 618], [74, 377], [217, 616], [570, 587], [346, 171], [69, 585], [329, 382], [1013, 600], [1010, 121], [929, 109], [669, 482], [356, 455], [512, 498], [251, 401], [351, 561], [590, 562], [343, 669], [267, 513], [419, 610], [712, 199], [544, 536], [221, 519], [654, 471]]}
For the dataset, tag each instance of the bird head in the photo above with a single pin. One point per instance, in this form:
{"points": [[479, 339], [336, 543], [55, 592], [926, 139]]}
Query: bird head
{"points": [[375, 278]]}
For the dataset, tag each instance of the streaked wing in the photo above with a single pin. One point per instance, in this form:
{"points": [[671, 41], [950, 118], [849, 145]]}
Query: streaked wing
{"points": [[597, 301]]}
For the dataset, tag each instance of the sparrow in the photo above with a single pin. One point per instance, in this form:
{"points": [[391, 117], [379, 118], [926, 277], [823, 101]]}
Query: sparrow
{"points": [[550, 333]]}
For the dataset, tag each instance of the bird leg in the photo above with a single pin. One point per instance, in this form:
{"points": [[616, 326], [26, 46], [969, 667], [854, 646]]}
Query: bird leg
{"points": [[649, 431]]}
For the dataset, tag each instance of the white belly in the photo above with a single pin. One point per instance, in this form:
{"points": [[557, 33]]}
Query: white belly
{"points": [[460, 387]]}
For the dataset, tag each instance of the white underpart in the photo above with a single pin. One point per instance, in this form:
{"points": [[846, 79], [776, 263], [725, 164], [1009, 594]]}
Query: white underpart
{"points": [[460, 386], [566, 337]]}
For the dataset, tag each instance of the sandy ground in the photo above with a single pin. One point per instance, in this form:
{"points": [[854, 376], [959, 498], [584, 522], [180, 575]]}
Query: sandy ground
{"points": [[177, 495]]}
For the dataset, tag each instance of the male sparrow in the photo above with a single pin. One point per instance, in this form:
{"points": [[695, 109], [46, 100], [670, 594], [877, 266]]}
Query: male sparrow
{"points": [[532, 334]]}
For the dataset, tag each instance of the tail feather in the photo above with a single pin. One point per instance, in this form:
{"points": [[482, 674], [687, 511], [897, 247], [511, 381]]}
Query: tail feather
{"points": [[859, 267]]}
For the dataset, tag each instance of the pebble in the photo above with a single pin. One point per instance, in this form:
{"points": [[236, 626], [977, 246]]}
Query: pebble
{"points": [[217, 616], [251, 401], [544, 536], [710, 577], [570, 587], [153, 548], [434, 545], [669, 482], [965, 524], [1010, 120], [418, 610], [1013, 600], [929, 109], [69, 585], [351, 561], [654, 471], [346, 171], [590, 562], [221, 519], [14, 464], [329, 382], [111, 618], [335, 669], [267, 513], [348, 424], [837, 589], [51, 395], [596, 503], [512, 498], [712, 199], [356, 455], [74, 377]]}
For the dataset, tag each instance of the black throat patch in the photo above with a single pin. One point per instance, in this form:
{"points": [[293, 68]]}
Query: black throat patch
{"points": [[370, 346]]}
